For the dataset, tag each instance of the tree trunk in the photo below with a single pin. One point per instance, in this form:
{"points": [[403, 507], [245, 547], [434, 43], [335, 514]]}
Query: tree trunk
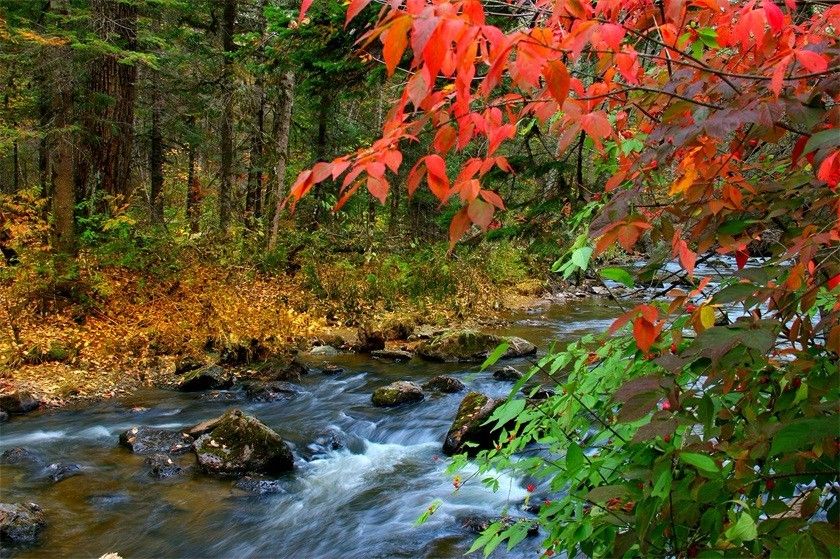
{"points": [[63, 199], [156, 154], [284, 126], [193, 189], [226, 135], [320, 152], [254, 196], [113, 126]]}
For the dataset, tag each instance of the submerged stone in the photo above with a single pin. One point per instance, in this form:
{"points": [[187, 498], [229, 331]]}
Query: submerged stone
{"points": [[150, 440], [18, 401]]}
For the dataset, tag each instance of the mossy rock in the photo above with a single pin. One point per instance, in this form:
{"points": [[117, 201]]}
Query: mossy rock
{"points": [[20, 524], [241, 444], [444, 384], [470, 346], [468, 425], [211, 377], [397, 394]]}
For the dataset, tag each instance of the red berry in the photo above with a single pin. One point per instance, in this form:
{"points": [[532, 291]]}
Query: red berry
{"points": [[665, 405], [531, 488], [690, 308], [667, 438], [796, 383], [770, 484], [674, 348]]}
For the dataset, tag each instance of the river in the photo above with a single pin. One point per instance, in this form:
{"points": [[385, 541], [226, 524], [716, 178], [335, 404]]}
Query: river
{"points": [[360, 501]]}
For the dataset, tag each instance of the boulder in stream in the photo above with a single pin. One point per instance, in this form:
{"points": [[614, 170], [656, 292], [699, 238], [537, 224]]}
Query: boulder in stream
{"points": [[370, 339], [211, 377], [272, 391], [332, 369], [470, 346], [397, 394], [395, 355], [18, 401], [186, 364], [259, 486], [162, 466], [60, 471], [19, 456], [151, 440], [3, 416], [241, 444], [507, 374], [444, 384], [474, 410], [20, 523]]}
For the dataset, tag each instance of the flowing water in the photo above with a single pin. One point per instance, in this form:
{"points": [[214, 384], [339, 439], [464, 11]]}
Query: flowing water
{"points": [[358, 501]]}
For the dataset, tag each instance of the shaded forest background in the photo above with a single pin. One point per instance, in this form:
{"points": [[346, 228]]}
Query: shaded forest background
{"points": [[146, 150]]}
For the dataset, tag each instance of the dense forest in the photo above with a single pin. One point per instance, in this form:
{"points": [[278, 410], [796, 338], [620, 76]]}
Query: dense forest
{"points": [[591, 248]]}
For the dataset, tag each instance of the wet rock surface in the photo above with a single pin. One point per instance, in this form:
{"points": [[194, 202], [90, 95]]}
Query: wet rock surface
{"points": [[478, 523], [470, 346], [20, 524], [397, 394], [60, 471], [474, 410], [162, 466], [272, 391], [211, 377], [444, 384], [241, 444], [259, 486], [507, 374], [23, 457], [17, 402], [151, 440], [395, 355]]}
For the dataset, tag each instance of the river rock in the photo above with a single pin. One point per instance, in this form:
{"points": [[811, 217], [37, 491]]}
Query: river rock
{"points": [[204, 427], [60, 471], [150, 440], [508, 374], [323, 351], [186, 364], [398, 329], [3, 416], [21, 524], [19, 456], [272, 391], [397, 394], [162, 466], [18, 401], [326, 441], [474, 410], [537, 392], [211, 377], [395, 355], [469, 346], [241, 444], [332, 369], [369, 340], [285, 370], [445, 384], [259, 486]]}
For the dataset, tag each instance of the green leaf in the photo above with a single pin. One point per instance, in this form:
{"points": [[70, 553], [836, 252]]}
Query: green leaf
{"points": [[507, 411], [742, 531], [821, 139], [619, 275], [581, 256], [495, 355], [574, 458], [803, 433], [699, 461]]}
